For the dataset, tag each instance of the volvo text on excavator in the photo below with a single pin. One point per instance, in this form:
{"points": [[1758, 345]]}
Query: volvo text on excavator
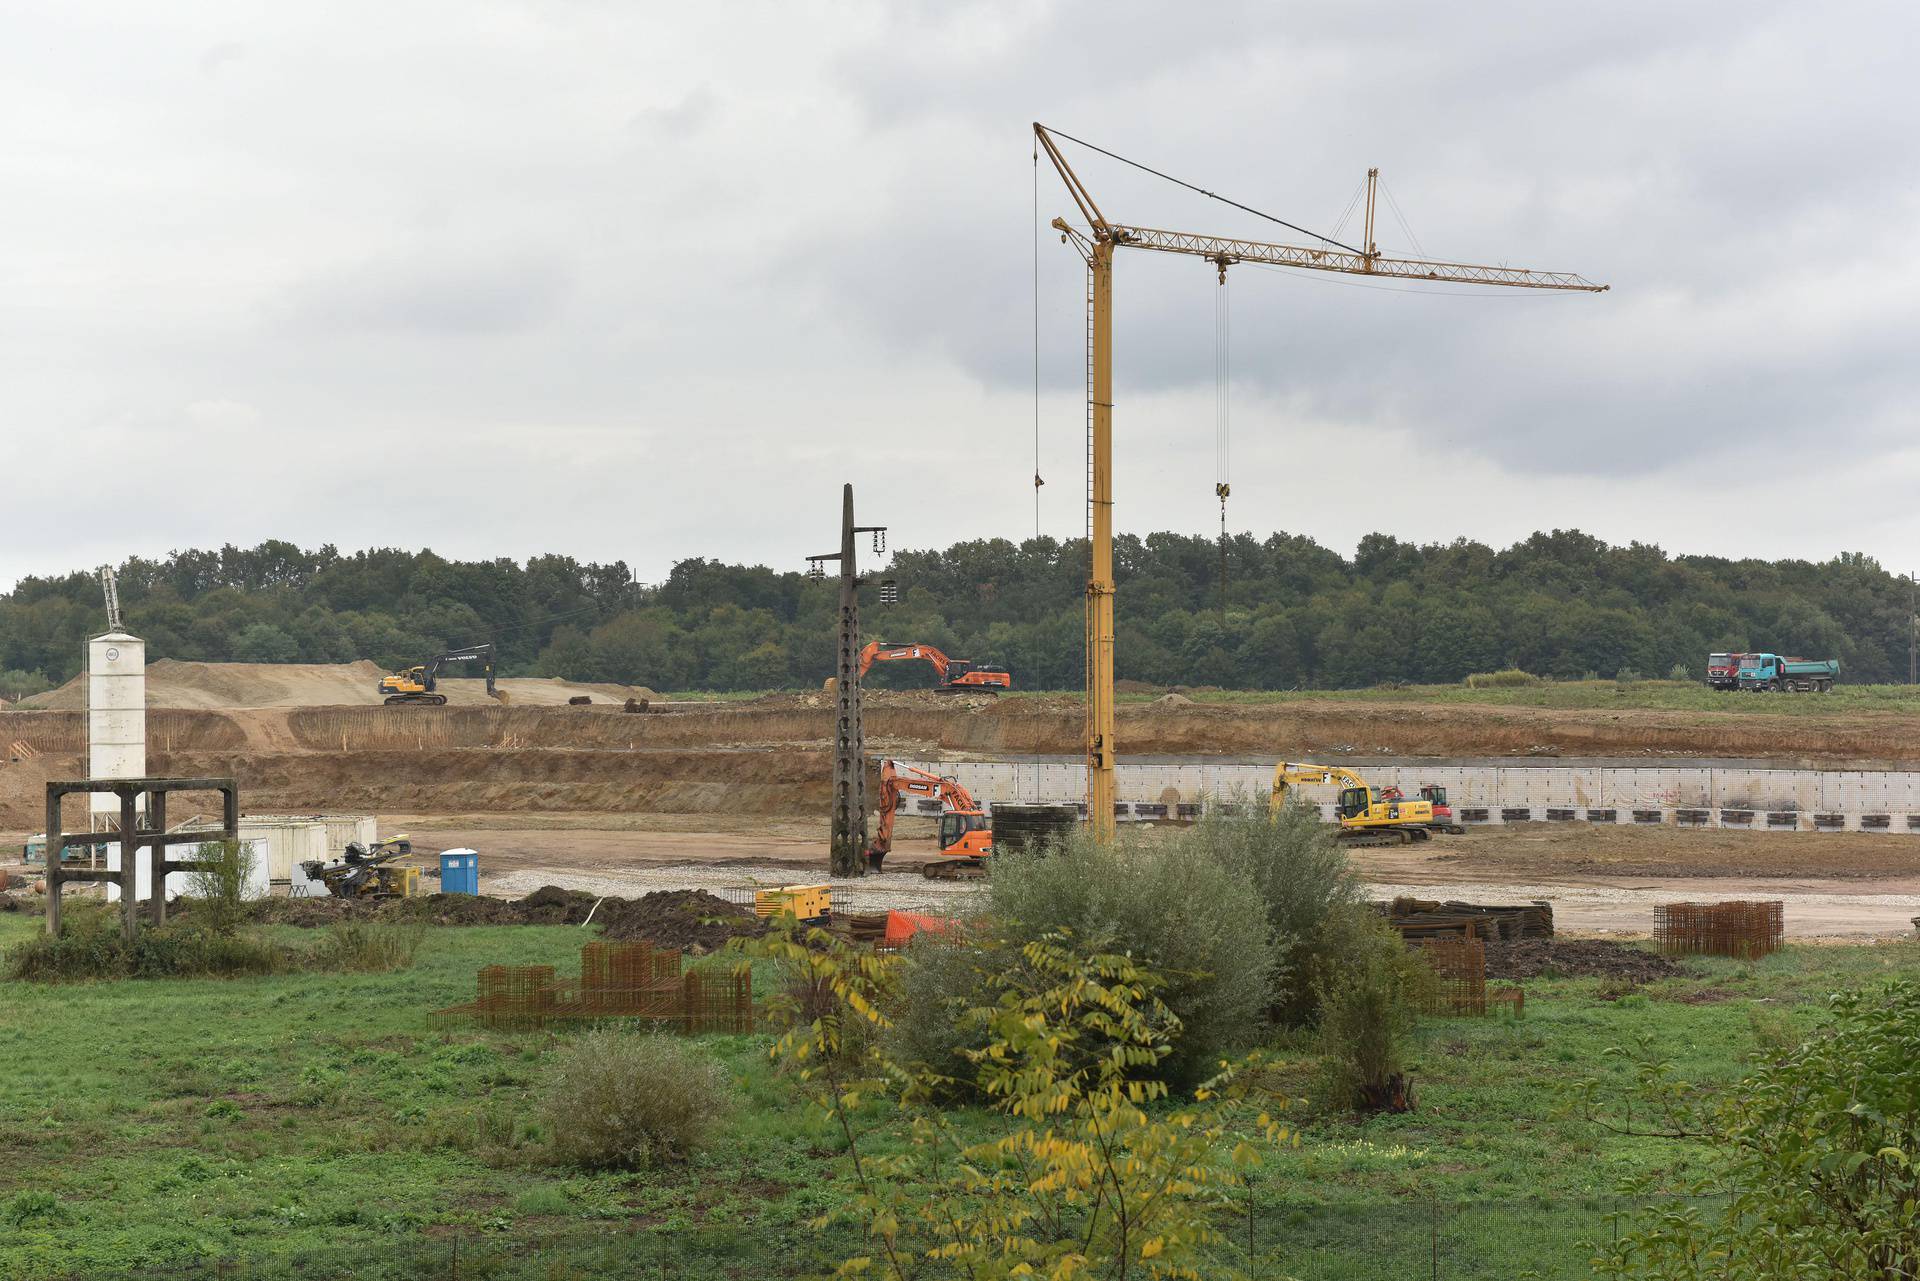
{"points": [[966, 837], [420, 683], [955, 675], [1366, 817]]}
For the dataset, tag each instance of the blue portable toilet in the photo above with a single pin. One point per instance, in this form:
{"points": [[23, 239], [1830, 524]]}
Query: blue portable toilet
{"points": [[460, 871]]}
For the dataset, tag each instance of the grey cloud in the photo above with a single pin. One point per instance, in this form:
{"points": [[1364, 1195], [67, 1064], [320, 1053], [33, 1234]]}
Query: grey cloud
{"points": [[412, 294]]}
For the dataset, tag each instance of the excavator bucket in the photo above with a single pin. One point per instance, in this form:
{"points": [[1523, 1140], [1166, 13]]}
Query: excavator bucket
{"points": [[499, 696]]}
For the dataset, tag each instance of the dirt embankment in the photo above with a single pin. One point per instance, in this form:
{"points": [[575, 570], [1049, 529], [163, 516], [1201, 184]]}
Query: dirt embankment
{"points": [[1320, 730], [770, 756], [222, 686]]}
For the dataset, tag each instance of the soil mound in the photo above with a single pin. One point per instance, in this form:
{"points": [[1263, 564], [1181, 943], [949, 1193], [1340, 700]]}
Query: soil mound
{"points": [[1576, 959], [692, 920]]}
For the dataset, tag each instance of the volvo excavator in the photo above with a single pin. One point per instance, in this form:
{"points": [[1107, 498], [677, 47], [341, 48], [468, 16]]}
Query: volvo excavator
{"points": [[420, 683], [1366, 817], [966, 836], [955, 675]]}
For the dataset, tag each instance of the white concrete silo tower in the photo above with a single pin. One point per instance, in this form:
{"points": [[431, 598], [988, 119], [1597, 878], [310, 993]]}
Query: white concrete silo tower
{"points": [[116, 703]]}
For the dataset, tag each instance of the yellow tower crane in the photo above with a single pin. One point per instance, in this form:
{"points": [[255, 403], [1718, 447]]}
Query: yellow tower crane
{"points": [[1096, 245]]}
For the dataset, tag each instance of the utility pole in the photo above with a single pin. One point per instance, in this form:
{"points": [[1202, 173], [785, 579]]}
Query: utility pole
{"points": [[849, 835]]}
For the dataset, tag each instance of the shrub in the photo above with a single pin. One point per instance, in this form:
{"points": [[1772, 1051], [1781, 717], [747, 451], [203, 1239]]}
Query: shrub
{"points": [[1302, 878], [219, 884], [940, 979], [1193, 920], [1818, 1148], [1505, 679], [1680, 672], [90, 946], [375, 949], [618, 1100], [1367, 1003]]}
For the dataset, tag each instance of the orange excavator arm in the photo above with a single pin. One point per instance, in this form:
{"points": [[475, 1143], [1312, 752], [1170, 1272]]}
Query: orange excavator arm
{"points": [[879, 652], [903, 780]]}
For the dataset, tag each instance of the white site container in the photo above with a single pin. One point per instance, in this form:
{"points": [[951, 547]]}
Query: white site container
{"points": [[116, 713], [256, 886], [342, 829], [285, 843]]}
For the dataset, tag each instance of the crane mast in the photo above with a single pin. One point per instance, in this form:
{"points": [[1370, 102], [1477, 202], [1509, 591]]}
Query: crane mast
{"points": [[1096, 245]]}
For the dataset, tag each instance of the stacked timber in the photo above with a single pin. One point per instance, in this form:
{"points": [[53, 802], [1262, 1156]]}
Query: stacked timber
{"points": [[1430, 919], [1032, 828], [861, 927]]}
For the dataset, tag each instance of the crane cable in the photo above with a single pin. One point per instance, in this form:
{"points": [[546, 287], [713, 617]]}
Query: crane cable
{"points": [[1222, 378], [1037, 482]]}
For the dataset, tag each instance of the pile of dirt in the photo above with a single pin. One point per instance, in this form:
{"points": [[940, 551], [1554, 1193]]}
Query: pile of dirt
{"points": [[692, 920], [1576, 959]]}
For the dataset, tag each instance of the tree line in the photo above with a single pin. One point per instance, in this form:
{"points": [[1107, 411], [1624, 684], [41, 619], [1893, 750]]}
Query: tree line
{"points": [[1293, 614]]}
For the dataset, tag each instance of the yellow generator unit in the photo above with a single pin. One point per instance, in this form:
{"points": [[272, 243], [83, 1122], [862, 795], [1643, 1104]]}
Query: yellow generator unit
{"points": [[806, 902]]}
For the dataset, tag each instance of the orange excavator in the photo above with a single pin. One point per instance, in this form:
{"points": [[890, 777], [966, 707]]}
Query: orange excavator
{"points": [[955, 675], [966, 837]]}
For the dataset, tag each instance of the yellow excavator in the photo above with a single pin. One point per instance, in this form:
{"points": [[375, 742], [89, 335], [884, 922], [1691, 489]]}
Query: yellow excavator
{"points": [[1366, 816], [421, 682]]}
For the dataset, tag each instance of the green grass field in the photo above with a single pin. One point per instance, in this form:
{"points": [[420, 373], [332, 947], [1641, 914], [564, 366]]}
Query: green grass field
{"points": [[315, 1125]]}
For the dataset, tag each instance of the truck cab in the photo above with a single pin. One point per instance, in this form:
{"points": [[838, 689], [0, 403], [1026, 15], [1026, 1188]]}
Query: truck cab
{"points": [[1723, 671]]}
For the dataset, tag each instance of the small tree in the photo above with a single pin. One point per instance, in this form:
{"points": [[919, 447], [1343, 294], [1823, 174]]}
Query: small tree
{"points": [[1819, 1158], [1098, 1175], [219, 884]]}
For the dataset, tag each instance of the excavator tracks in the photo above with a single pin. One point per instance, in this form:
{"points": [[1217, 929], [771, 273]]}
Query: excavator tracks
{"points": [[955, 870], [1367, 838]]}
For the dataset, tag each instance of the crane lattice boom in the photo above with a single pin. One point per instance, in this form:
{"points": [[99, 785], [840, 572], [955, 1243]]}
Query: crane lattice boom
{"points": [[1226, 251]]}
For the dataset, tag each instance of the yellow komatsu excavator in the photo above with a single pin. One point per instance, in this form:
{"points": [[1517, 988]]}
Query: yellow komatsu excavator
{"points": [[1366, 817]]}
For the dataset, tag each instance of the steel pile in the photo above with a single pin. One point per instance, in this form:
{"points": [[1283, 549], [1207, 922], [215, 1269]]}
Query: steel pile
{"points": [[1742, 929], [631, 980]]}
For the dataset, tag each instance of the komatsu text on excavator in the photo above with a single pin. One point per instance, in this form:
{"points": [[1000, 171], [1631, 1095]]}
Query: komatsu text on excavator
{"points": [[966, 837], [955, 675], [1366, 817]]}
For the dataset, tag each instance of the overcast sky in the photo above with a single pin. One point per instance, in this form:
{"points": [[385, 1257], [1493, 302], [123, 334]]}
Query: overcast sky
{"points": [[644, 281]]}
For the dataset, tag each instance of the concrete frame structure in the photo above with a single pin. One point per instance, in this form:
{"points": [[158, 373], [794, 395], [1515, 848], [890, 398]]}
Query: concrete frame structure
{"points": [[132, 835]]}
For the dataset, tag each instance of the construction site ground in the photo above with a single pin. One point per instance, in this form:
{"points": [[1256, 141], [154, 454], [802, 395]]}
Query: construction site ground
{"points": [[719, 793]]}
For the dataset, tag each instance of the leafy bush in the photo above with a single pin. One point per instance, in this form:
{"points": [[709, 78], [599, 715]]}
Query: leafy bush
{"points": [[1680, 672], [1302, 878], [219, 884], [1096, 1171], [1367, 1003], [1195, 921], [1821, 1148], [940, 979], [618, 1100], [90, 946], [1506, 678]]}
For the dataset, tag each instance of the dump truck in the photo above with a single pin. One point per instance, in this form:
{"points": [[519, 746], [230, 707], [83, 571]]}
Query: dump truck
{"points": [[1760, 673], [1723, 671]]}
